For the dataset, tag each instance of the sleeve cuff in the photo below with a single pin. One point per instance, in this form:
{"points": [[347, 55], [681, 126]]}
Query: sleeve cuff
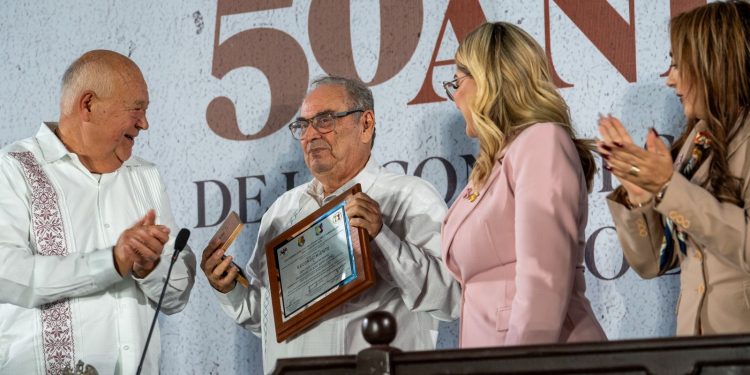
{"points": [[618, 201], [670, 201], [156, 275], [387, 241], [234, 297], [389, 263], [154, 281], [102, 266]]}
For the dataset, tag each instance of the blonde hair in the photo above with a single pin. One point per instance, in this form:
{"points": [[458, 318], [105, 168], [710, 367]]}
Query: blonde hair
{"points": [[711, 49], [514, 91]]}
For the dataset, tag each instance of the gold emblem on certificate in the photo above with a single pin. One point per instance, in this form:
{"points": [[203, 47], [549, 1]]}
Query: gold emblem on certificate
{"points": [[316, 265]]}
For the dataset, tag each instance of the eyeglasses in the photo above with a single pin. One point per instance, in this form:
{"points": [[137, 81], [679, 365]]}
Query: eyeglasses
{"points": [[323, 123], [451, 86]]}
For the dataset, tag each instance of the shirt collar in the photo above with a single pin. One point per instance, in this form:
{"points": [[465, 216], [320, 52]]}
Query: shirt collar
{"points": [[53, 149], [366, 177], [51, 146]]}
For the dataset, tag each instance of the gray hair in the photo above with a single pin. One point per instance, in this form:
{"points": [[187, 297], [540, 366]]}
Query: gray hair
{"points": [[94, 71], [360, 96]]}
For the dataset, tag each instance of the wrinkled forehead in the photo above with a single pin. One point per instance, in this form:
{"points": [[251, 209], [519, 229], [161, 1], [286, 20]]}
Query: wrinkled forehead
{"points": [[327, 98]]}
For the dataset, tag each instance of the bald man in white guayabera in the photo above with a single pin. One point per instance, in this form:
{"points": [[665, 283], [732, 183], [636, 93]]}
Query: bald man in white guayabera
{"points": [[84, 228], [402, 215]]}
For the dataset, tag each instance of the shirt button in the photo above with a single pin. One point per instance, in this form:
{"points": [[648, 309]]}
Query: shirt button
{"points": [[125, 347], [106, 225]]}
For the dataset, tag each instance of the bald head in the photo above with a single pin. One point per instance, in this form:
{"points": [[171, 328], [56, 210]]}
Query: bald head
{"points": [[98, 71], [103, 109]]}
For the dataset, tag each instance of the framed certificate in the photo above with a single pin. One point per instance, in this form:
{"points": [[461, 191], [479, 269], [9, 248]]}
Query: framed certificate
{"points": [[316, 265]]}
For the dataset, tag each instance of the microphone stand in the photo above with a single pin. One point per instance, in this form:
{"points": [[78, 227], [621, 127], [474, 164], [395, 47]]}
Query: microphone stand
{"points": [[184, 233]]}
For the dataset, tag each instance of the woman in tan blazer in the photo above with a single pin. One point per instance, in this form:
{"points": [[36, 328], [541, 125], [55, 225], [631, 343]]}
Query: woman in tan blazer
{"points": [[692, 211]]}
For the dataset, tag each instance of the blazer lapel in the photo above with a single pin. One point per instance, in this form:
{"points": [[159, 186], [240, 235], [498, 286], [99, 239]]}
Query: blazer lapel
{"points": [[743, 133], [701, 174], [460, 215], [742, 136]]}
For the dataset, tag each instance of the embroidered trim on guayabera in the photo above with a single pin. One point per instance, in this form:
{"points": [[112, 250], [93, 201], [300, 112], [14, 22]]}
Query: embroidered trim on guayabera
{"points": [[46, 220]]}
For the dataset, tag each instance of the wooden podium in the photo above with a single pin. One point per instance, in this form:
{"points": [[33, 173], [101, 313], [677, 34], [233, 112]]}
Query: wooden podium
{"points": [[728, 354]]}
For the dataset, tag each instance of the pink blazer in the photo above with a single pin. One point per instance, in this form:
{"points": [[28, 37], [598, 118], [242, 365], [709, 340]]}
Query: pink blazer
{"points": [[517, 250]]}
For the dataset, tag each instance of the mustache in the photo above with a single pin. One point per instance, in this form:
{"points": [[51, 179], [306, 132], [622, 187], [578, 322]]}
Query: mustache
{"points": [[317, 144]]}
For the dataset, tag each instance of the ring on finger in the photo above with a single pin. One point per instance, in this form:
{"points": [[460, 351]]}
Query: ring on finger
{"points": [[634, 171]]}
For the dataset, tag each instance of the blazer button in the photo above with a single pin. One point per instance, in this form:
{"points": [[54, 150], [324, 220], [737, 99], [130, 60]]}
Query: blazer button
{"points": [[701, 289], [642, 231], [698, 255]]}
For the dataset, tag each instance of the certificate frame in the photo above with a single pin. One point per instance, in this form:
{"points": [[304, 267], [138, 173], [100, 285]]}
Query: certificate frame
{"points": [[291, 323]]}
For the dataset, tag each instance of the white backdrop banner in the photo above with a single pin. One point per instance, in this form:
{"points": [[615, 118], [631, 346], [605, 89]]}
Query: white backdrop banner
{"points": [[226, 76]]}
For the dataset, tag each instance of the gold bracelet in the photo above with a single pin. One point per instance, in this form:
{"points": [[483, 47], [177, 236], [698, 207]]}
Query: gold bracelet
{"points": [[637, 205]]}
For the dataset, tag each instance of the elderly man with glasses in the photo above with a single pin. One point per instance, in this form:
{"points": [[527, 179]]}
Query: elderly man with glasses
{"points": [[402, 215]]}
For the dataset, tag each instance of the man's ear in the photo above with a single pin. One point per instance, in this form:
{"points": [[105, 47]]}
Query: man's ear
{"points": [[85, 101], [368, 126]]}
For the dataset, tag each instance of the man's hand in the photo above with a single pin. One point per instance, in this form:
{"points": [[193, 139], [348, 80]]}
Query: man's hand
{"points": [[364, 213], [221, 274], [139, 248]]}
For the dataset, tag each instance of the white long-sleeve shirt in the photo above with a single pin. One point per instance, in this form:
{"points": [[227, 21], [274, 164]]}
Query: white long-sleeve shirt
{"points": [[411, 281], [107, 316]]}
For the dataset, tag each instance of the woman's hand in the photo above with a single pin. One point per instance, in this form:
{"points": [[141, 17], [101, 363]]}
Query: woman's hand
{"points": [[641, 172]]}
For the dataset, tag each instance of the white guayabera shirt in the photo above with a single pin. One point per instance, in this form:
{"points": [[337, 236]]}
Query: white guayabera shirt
{"points": [[71, 304], [411, 281]]}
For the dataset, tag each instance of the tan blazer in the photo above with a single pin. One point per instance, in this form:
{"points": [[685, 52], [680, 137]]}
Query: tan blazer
{"points": [[715, 273]]}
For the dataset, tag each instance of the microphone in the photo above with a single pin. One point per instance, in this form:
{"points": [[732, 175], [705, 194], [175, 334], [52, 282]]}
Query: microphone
{"points": [[179, 244]]}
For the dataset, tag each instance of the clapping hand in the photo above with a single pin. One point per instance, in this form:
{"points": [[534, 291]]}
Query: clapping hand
{"points": [[642, 172], [139, 248]]}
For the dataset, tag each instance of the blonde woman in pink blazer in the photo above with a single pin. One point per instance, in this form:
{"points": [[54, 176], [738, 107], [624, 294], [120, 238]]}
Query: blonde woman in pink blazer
{"points": [[514, 238]]}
